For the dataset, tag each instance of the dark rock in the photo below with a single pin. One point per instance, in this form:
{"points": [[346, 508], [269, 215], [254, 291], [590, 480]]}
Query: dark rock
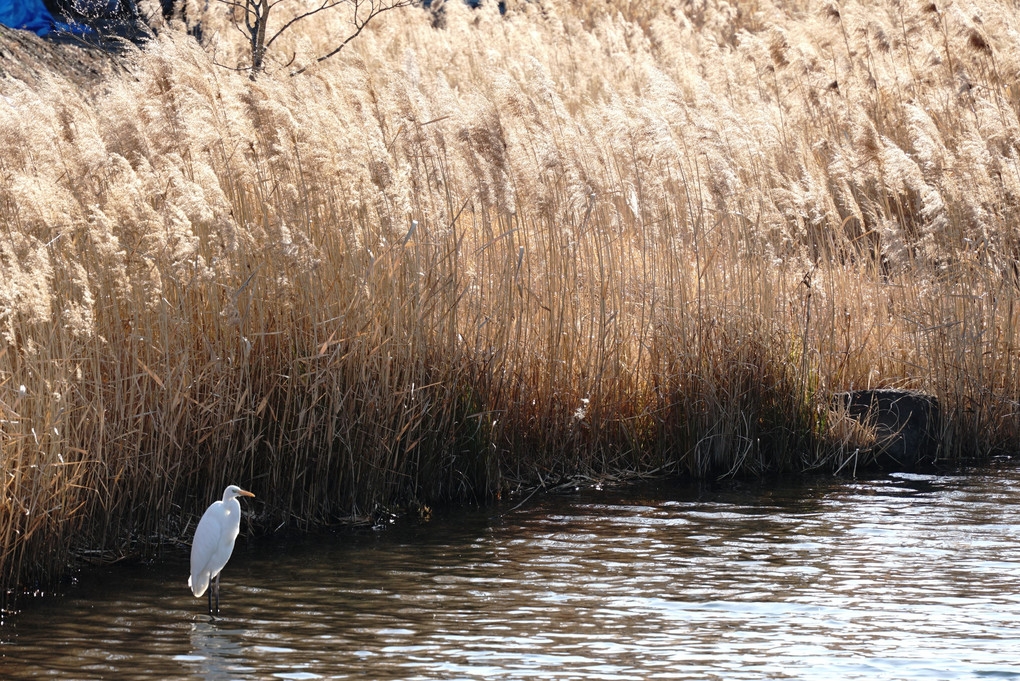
{"points": [[906, 424]]}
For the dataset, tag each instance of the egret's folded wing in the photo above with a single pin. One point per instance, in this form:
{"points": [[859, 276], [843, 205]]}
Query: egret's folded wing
{"points": [[203, 549]]}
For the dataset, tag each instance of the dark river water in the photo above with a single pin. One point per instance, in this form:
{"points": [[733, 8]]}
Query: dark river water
{"points": [[899, 577]]}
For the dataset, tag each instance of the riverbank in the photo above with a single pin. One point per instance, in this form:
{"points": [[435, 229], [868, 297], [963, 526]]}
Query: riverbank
{"points": [[500, 248]]}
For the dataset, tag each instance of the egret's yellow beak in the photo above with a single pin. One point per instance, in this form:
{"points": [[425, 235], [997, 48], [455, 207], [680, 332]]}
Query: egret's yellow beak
{"points": [[246, 493]]}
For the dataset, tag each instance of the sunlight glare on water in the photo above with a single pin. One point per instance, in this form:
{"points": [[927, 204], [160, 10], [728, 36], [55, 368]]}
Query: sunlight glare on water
{"points": [[900, 577]]}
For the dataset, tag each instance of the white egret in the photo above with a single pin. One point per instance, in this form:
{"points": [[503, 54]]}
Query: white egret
{"points": [[214, 542]]}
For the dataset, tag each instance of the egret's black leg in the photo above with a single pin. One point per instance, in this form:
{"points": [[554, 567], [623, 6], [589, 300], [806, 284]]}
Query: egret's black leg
{"points": [[209, 593], [217, 594]]}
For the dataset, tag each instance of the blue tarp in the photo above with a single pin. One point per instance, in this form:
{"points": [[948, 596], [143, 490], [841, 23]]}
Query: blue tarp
{"points": [[30, 15]]}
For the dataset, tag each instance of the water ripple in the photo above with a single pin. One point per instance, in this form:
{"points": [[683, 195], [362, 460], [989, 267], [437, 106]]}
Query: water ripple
{"points": [[902, 577]]}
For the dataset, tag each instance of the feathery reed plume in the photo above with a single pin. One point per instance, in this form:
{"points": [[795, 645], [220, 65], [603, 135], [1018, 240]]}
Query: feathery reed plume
{"points": [[485, 251]]}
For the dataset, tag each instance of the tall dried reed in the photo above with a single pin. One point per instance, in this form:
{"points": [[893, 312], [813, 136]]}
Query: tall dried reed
{"points": [[582, 236]]}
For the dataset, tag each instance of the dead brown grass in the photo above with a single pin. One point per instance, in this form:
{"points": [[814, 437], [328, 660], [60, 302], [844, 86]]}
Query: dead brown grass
{"points": [[577, 237]]}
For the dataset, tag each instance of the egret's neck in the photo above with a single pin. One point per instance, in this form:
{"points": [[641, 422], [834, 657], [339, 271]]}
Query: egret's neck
{"points": [[233, 507]]}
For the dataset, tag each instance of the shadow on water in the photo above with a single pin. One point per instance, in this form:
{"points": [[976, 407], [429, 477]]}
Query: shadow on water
{"points": [[901, 577]]}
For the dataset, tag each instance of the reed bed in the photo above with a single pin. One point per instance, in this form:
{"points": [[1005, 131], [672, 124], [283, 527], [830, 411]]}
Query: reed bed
{"points": [[478, 249]]}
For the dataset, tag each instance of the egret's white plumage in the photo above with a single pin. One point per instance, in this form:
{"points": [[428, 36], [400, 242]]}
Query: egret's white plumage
{"points": [[214, 542]]}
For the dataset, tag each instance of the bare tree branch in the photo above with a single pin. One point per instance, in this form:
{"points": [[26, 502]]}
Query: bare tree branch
{"points": [[231, 68], [325, 5], [239, 29], [256, 20], [375, 9]]}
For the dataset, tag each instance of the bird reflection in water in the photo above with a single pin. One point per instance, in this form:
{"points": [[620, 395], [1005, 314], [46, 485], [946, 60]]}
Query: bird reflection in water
{"points": [[216, 652]]}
